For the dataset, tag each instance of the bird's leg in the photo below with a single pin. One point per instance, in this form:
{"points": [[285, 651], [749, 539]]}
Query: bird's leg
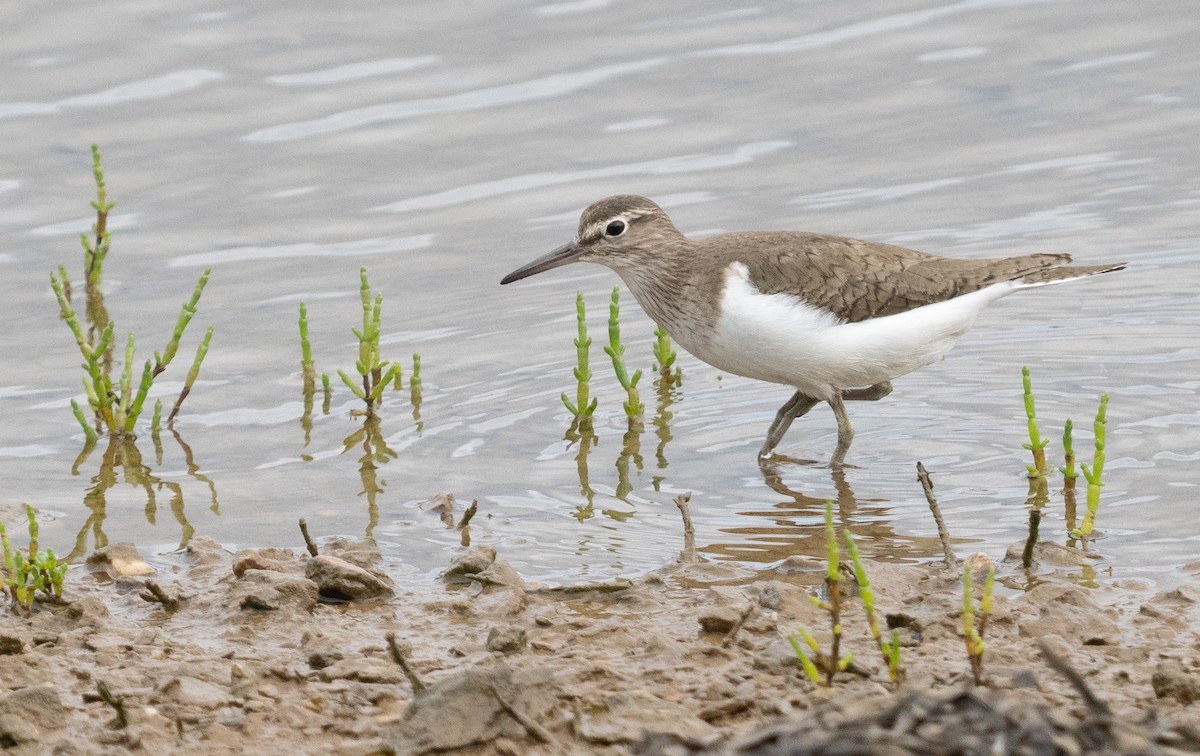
{"points": [[870, 393], [798, 405], [845, 429]]}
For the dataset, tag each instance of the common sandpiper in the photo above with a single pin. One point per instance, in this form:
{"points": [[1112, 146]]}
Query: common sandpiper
{"points": [[835, 318]]}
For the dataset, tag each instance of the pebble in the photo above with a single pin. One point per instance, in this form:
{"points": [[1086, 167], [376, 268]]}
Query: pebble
{"points": [[119, 560], [476, 560], [507, 640], [340, 580], [719, 619], [367, 670]]}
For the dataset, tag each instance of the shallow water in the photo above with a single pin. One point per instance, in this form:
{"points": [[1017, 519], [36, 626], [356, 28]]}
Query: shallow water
{"points": [[442, 145]]}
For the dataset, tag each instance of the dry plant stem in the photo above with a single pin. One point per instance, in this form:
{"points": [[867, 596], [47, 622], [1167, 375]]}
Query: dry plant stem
{"points": [[1035, 519], [117, 704], [467, 515], [535, 730], [688, 555], [943, 534], [1064, 668], [154, 592], [308, 541], [730, 636], [417, 686]]}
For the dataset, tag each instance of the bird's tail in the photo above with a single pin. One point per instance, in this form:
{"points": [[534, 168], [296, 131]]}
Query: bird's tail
{"points": [[1047, 276]]}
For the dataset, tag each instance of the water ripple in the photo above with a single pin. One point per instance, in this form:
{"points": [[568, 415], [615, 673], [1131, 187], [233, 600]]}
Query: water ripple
{"points": [[146, 89], [304, 249], [543, 88], [860, 29], [701, 161], [352, 71]]}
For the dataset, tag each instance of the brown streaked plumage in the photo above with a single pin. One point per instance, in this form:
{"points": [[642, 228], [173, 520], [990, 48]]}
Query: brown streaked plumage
{"points": [[836, 318]]}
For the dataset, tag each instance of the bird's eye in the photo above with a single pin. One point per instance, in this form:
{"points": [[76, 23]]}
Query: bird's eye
{"points": [[615, 228]]}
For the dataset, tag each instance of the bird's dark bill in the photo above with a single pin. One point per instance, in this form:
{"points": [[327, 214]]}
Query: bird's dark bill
{"points": [[567, 253]]}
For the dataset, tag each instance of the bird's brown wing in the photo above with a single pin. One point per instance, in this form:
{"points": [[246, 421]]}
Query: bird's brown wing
{"points": [[856, 280]]}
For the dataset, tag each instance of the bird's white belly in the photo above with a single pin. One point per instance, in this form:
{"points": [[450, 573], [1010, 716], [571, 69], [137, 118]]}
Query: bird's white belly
{"points": [[782, 339]]}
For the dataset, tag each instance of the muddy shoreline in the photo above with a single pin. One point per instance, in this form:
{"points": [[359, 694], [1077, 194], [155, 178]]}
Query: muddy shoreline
{"points": [[258, 651]]}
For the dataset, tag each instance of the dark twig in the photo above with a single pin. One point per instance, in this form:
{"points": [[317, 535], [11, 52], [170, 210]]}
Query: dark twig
{"points": [[688, 554], [417, 686], [117, 704], [727, 641], [154, 592], [1060, 665], [535, 730], [308, 541], [466, 518], [943, 534], [1035, 519]]}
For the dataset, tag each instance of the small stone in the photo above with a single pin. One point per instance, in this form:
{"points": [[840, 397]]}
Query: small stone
{"points": [[11, 644], [340, 580], [476, 560], [190, 691], [367, 670], [204, 550], [360, 553], [440, 502], [979, 563], [38, 705], [17, 730], [324, 656], [502, 573], [271, 591], [506, 640], [719, 619], [1172, 680], [253, 560], [119, 560]]}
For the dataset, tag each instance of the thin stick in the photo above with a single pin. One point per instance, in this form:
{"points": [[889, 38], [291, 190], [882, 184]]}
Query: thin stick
{"points": [[535, 730], [156, 593], [466, 518], [943, 534], [688, 554], [1064, 668], [308, 541], [727, 641], [417, 686]]}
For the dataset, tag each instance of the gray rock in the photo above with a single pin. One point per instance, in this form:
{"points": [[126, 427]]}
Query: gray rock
{"points": [[38, 705], [363, 669], [476, 560], [507, 639], [1172, 680], [720, 619], [502, 573], [17, 730], [11, 644], [340, 580], [272, 591], [119, 560], [190, 691], [204, 551]]}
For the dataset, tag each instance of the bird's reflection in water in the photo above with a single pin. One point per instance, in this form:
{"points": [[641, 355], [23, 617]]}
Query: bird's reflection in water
{"points": [[795, 526]]}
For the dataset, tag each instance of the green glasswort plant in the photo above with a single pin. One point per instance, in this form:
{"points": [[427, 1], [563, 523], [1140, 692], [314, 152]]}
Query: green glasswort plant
{"points": [[616, 350], [374, 373], [889, 648], [25, 576], [116, 407], [664, 357], [1092, 474], [973, 631], [1037, 444], [582, 409], [834, 662]]}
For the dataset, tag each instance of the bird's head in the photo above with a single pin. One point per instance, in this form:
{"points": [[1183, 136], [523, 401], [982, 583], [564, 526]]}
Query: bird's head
{"points": [[620, 232]]}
